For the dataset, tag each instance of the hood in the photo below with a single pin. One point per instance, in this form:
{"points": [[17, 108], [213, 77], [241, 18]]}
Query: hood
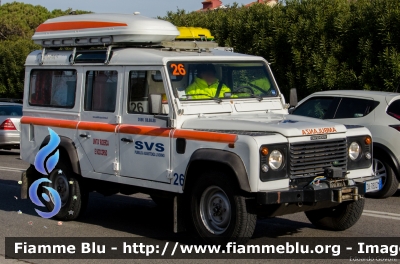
{"points": [[286, 125]]}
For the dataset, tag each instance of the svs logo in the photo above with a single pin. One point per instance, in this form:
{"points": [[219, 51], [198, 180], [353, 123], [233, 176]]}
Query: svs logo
{"points": [[159, 147], [45, 163]]}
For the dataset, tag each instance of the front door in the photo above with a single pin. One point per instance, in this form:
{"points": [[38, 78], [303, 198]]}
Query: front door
{"points": [[144, 140]]}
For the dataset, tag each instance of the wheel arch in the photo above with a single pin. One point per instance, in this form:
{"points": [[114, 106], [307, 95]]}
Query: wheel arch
{"points": [[220, 159], [67, 147], [385, 151]]}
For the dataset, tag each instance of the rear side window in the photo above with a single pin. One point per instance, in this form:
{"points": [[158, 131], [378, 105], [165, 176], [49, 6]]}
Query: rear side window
{"points": [[354, 108], [101, 91], [394, 109], [52, 88], [10, 110], [317, 107]]}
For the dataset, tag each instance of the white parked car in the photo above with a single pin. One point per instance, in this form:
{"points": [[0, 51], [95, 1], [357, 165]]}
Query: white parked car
{"points": [[378, 111]]}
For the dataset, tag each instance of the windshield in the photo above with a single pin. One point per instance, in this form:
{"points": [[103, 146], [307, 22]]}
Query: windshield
{"points": [[204, 80]]}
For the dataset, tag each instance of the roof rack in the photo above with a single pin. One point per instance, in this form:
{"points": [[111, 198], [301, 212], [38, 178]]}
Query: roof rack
{"points": [[189, 45]]}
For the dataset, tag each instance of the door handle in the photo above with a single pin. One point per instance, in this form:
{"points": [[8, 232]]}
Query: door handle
{"points": [[126, 140], [85, 136]]}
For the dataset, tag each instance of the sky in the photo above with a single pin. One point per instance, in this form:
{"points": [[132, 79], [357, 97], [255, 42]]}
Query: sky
{"points": [[150, 8]]}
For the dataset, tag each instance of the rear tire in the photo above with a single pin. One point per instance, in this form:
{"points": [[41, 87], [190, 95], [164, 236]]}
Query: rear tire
{"points": [[74, 197], [217, 210], [390, 184], [338, 218]]}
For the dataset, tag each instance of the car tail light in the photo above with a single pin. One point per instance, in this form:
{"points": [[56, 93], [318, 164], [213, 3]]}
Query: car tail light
{"points": [[7, 125], [394, 115], [397, 127]]}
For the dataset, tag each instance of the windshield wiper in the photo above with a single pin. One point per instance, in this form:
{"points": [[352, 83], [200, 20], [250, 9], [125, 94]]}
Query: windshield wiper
{"points": [[259, 97], [218, 100]]}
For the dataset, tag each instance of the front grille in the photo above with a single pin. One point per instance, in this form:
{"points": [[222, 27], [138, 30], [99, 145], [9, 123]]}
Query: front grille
{"points": [[311, 158]]}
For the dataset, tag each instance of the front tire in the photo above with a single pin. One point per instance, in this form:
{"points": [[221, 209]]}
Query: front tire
{"points": [[338, 218], [73, 196], [218, 212], [390, 184]]}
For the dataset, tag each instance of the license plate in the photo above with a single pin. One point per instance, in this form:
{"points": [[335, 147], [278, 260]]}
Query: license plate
{"points": [[373, 186]]}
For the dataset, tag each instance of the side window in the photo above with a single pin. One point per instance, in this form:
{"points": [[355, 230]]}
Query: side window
{"points": [[101, 91], [52, 88], [141, 85], [317, 107], [353, 108], [394, 109], [138, 92]]}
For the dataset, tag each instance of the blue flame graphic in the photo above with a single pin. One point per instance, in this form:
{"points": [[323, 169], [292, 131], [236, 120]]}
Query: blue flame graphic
{"points": [[35, 199], [52, 161]]}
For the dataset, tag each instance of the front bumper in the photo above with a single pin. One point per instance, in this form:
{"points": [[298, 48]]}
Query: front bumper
{"points": [[323, 192]]}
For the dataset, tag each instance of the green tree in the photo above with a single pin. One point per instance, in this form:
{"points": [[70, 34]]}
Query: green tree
{"points": [[18, 22], [313, 45]]}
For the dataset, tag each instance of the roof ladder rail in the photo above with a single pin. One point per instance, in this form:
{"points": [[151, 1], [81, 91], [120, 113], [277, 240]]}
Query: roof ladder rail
{"points": [[72, 60], [42, 56], [109, 48]]}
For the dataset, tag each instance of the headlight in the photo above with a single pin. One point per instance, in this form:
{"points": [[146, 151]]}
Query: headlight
{"points": [[354, 151], [275, 160]]}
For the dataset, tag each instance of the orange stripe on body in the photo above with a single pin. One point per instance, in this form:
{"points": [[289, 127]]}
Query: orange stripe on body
{"points": [[76, 25], [145, 130], [132, 129], [49, 122], [206, 136], [95, 126]]}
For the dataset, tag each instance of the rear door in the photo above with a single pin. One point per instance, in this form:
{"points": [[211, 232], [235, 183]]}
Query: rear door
{"points": [[97, 130]]}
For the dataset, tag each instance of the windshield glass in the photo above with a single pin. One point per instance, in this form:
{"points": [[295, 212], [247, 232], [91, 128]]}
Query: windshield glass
{"points": [[203, 80]]}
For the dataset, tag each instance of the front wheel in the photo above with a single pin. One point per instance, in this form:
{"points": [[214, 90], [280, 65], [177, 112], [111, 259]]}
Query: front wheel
{"points": [[218, 212], [337, 218], [390, 184]]}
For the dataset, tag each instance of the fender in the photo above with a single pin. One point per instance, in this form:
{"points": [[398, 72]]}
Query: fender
{"points": [[224, 157], [69, 146], [392, 157]]}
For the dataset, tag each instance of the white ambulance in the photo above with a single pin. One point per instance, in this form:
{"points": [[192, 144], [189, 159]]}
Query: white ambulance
{"points": [[189, 123]]}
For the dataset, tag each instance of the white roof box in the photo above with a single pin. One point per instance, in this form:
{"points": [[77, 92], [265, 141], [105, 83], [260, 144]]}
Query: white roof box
{"points": [[103, 29]]}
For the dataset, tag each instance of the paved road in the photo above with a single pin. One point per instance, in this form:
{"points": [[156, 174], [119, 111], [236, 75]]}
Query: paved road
{"points": [[137, 215]]}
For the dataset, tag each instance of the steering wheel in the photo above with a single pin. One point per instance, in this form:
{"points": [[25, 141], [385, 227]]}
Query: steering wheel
{"points": [[244, 87]]}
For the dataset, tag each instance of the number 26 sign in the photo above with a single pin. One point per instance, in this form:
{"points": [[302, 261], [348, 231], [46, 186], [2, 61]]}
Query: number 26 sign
{"points": [[178, 69]]}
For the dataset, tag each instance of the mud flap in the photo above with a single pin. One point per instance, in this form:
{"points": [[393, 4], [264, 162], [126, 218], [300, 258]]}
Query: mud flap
{"points": [[179, 217]]}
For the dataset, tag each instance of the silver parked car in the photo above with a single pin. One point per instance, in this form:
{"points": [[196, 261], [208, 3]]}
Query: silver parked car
{"points": [[10, 115], [378, 111]]}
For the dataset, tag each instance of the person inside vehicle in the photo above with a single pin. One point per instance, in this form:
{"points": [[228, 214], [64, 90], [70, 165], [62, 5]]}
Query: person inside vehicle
{"points": [[206, 84]]}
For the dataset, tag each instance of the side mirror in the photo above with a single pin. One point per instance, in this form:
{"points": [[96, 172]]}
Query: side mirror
{"points": [[155, 102], [293, 97]]}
